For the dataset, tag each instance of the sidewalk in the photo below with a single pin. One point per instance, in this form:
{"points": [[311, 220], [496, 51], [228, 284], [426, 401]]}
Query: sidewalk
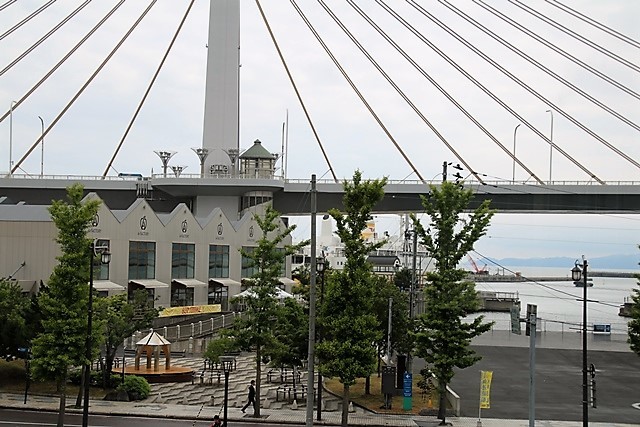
{"points": [[205, 414]]}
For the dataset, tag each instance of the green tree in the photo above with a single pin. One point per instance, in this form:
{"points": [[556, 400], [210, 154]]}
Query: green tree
{"points": [[64, 306], [13, 311], [634, 323], [291, 333], [255, 331], [400, 324], [442, 337], [350, 327], [121, 318], [402, 279]]}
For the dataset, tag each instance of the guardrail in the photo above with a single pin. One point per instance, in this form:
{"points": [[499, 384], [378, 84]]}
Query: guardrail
{"points": [[192, 330], [137, 177]]}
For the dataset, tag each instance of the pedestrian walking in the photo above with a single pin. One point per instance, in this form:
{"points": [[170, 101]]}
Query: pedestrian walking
{"points": [[216, 421], [251, 400]]}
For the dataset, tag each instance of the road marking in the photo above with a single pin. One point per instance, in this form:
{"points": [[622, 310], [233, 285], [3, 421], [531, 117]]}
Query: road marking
{"points": [[636, 405]]}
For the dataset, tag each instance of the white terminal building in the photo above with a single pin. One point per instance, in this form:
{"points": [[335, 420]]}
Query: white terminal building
{"points": [[179, 239]]}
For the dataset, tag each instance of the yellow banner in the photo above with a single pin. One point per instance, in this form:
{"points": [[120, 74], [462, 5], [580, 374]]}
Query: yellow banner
{"points": [[190, 309], [485, 389]]}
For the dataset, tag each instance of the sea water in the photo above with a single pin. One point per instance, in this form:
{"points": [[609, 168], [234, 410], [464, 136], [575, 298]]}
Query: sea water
{"points": [[560, 303]]}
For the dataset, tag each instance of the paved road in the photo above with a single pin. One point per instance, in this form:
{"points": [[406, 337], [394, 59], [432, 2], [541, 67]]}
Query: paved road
{"points": [[558, 384], [20, 418]]}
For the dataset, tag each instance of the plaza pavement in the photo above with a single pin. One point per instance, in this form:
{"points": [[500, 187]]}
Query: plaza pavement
{"points": [[202, 401]]}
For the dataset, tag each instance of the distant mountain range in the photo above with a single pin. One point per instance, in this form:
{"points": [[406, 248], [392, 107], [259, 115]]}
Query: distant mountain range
{"points": [[612, 262]]}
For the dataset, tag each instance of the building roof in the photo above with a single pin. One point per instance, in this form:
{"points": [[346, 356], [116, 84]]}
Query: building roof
{"points": [[257, 151], [22, 212]]}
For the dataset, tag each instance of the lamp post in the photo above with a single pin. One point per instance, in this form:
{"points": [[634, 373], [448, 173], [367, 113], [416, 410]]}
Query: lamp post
{"points": [[227, 363], [576, 275], [551, 146], [105, 257], [202, 154], [42, 146], [165, 156], [11, 137], [320, 268], [513, 173]]}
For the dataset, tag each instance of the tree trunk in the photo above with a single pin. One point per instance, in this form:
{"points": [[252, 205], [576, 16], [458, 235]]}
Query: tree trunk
{"points": [[256, 412], [109, 355], [442, 408], [367, 385], [345, 406], [63, 401], [79, 397]]}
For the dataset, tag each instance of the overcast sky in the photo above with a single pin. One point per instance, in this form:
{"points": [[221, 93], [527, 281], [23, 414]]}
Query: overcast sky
{"points": [[85, 138]]}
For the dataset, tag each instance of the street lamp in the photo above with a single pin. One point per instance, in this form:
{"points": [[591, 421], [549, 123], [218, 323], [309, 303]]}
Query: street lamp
{"points": [[227, 363], [202, 154], [576, 275], [11, 137], [551, 146], [42, 146], [105, 258], [320, 268], [165, 156], [513, 173]]}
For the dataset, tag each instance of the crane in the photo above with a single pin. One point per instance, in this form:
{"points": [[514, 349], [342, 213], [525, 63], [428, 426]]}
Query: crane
{"points": [[476, 269]]}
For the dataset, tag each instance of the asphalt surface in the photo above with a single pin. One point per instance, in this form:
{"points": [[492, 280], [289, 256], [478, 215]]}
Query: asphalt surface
{"points": [[558, 384]]}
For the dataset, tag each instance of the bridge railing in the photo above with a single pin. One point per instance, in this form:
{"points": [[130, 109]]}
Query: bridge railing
{"points": [[139, 177]]}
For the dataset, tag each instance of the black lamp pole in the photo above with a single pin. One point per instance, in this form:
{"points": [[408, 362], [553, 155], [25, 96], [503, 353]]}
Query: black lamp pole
{"points": [[227, 367], [104, 258], [87, 367], [575, 275], [320, 267]]}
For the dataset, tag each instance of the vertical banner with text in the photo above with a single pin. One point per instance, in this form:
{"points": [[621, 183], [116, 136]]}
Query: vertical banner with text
{"points": [[485, 389]]}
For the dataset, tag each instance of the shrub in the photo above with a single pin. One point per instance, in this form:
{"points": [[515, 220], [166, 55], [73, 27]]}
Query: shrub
{"points": [[137, 387]]}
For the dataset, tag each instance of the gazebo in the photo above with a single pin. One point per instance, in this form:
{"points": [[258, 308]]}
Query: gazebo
{"points": [[152, 344]]}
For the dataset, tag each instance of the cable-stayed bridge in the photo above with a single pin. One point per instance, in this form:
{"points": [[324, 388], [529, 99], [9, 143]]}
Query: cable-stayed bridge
{"points": [[482, 90]]}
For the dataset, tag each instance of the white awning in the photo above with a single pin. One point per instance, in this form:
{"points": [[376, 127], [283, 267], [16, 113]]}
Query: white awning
{"points": [[225, 281], [191, 283], [287, 281], [107, 285], [280, 294], [149, 283]]}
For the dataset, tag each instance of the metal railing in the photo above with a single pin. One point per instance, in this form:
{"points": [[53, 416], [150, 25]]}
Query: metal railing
{"points": [[185, 332]]}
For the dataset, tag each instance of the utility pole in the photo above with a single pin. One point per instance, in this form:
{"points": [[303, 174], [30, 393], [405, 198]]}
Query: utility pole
{"points": [[312, 306]]}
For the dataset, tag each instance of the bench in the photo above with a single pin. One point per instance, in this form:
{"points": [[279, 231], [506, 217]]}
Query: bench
{"points": [[286, 391], [283, 375]]}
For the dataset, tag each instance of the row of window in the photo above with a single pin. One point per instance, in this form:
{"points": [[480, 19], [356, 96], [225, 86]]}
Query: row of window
{"points": [[142, 261]]}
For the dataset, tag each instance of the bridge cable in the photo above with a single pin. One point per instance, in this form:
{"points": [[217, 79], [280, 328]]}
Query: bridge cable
{"points": [[151, 83], [444, 92], [356, 90], [7, 4], [81, 90], [594, 23], [522, 84], [64, 58], [43, 38], [27, 19], [556, 49], [525, 86], [551, 73], [575, 35], [295, 89], [397, 89]]}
